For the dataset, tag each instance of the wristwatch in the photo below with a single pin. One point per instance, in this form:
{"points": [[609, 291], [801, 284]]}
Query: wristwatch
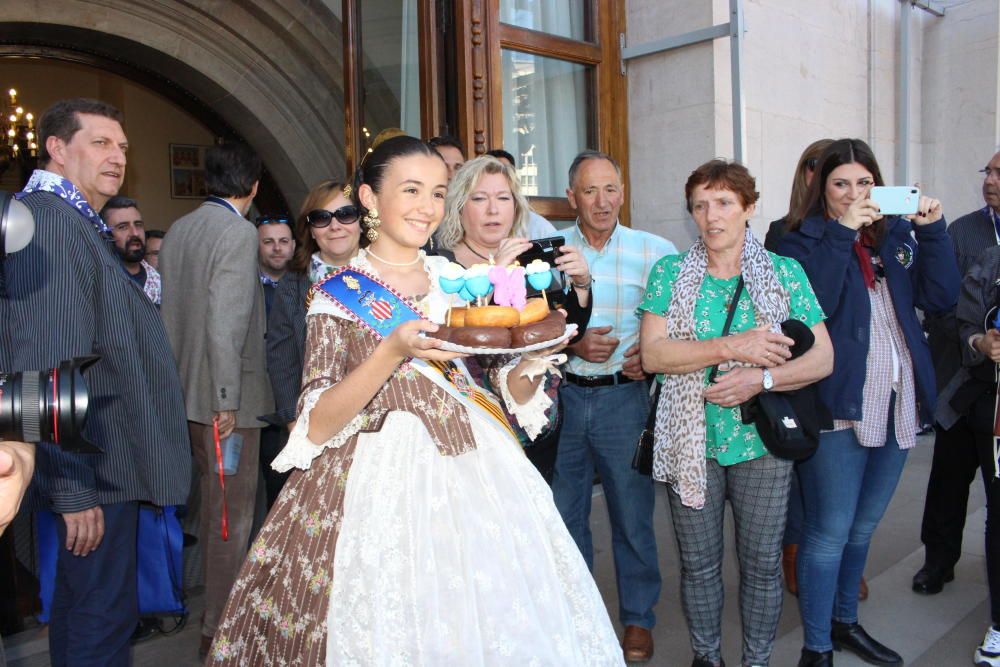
{"points": [[768, 380]]}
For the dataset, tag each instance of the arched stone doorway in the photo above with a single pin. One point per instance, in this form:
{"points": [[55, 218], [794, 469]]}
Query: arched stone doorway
{"points": [[268, 72]]}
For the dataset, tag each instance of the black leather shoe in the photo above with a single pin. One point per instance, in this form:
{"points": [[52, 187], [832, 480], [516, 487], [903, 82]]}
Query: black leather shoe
{"points": [[700, 661], [816, 659], [929, 580], [854, 638]]}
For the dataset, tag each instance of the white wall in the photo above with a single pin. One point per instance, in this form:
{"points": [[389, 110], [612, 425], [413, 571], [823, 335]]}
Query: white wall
{"points": [[671, 115], [810, 70], [961, 98]]}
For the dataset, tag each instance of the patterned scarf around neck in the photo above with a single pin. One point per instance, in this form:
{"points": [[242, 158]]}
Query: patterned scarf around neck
{"points": [[679, 452], [48, 181]]}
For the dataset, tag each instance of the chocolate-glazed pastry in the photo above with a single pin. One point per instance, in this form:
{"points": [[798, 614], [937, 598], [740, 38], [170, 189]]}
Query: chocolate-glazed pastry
{"points": [[551, 327], [443, 333], [481, 337]]}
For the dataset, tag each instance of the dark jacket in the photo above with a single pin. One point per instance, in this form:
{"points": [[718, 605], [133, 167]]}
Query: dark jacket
{"points": [[921, 273], [958, 387], [775, 231], [286, 343], [64, 296], [977, 302]]}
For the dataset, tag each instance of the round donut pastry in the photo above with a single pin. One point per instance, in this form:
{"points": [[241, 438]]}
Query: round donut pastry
{"points": [[498, 337], [550, 328], [443, 333], [458, 316], [492, 316], [534, 311]]}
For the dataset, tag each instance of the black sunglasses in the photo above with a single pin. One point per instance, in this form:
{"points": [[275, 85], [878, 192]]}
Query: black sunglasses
{"points": [[274, 220], [811, 163], [345, 215]]}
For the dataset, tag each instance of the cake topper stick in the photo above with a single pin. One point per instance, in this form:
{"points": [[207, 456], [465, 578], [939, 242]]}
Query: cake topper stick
{"points": [[452, 281]]}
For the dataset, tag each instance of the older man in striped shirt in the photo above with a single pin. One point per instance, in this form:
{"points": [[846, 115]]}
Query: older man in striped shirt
{"points": [[605, 396]]}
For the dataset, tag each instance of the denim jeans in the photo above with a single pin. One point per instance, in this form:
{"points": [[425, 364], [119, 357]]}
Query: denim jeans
{"points": [[601, 426], [846, 488], [796, 510]]}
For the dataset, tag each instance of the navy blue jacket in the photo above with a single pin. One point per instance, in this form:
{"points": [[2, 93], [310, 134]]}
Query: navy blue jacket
{"points": [[921, 273]]}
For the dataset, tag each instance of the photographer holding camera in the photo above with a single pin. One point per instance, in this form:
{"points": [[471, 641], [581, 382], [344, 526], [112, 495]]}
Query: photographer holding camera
{"points": [[66, 296]]}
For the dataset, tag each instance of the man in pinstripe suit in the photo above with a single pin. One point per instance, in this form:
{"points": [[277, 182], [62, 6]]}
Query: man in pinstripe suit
{"points": [[64, 296], [958, 414]]}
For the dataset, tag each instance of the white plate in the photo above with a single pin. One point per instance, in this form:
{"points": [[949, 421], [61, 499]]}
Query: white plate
{"points": [[452, 347]]}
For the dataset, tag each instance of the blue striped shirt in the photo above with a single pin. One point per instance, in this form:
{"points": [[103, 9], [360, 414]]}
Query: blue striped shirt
{"points": [[619, 270]]}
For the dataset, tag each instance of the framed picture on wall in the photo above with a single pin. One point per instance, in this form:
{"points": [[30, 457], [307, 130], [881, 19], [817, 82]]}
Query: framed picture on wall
{"points": [[187, 171]]}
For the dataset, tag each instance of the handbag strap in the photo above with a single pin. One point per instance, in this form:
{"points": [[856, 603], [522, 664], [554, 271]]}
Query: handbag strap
{"points": [[729, 322], [651, 419]]}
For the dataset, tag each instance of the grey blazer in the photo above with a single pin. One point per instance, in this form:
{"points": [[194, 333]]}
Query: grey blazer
{"points": [[213, 310]]}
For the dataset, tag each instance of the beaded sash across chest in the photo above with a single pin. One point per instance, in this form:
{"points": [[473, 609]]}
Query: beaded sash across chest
{"points": [[380, 309]]}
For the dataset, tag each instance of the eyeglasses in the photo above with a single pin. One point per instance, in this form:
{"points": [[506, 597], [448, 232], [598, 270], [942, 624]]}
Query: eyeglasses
{"points": [[274, 220], [811, 163], [989, 171], [345, 215]]}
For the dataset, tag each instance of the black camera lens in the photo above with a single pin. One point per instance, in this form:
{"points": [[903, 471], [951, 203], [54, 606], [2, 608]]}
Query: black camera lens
{"points": [[49, 405]]}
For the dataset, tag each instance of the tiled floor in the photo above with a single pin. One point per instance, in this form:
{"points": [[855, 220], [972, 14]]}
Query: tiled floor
{"points": [[937, 631]]}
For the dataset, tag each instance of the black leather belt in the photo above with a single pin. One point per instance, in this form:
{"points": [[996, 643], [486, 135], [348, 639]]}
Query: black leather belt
{"points": [[597, 380]]}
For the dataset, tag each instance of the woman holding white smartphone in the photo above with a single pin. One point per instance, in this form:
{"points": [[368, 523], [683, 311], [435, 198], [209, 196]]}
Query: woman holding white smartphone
{"points": [[870, 272]]}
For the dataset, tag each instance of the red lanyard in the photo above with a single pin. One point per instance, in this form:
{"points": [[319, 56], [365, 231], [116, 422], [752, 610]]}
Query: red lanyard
{"points": [[222, 478]]}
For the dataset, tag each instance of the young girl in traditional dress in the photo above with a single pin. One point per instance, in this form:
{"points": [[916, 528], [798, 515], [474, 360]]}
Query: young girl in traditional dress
{"points": [[414, 531]]}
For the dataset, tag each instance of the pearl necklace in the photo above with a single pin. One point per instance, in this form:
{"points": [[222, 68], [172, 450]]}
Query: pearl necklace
{"points": [[388, 263]]}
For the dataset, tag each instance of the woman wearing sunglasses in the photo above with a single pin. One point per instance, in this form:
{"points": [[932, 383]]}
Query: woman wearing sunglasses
{"points": [[327, 236]]}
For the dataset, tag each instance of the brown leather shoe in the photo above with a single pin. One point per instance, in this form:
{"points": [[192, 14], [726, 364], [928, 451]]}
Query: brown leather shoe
{"points": [[863, 590], [788, 555], [637, 645], [204, 647]]}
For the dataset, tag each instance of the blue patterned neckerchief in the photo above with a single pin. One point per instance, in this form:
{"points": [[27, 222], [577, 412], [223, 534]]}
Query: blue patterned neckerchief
{"points": [[47, 181], [318, 269], [266, 280]]}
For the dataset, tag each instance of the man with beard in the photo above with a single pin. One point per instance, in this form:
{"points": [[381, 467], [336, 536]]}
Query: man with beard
{"points": [[122, 215]]}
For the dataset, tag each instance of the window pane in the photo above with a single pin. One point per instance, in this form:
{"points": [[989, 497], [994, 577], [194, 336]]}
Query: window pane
{"points": [[547, 118], [390, 68], [566, 18]]}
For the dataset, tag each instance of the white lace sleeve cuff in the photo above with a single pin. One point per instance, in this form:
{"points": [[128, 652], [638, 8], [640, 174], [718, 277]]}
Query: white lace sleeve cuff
{"points": [[530, 415], [300, 450]]}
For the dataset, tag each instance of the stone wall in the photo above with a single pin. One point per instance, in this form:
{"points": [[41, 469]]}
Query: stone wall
{"points": [[810, 70]]}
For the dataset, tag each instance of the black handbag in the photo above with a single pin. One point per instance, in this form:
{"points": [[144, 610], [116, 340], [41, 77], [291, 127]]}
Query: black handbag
{"points": [[642, 460], [789, 422]]}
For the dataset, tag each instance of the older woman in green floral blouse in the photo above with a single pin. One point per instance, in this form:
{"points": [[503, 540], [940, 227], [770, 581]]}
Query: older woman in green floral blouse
{"points": [[703, 450]]}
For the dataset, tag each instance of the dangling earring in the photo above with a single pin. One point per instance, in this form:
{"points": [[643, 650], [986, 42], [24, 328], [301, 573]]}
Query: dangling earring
{"points": [[372, 222]]}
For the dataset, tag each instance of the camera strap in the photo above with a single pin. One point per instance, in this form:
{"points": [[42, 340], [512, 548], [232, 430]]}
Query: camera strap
{"points": [[222, 478]]}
